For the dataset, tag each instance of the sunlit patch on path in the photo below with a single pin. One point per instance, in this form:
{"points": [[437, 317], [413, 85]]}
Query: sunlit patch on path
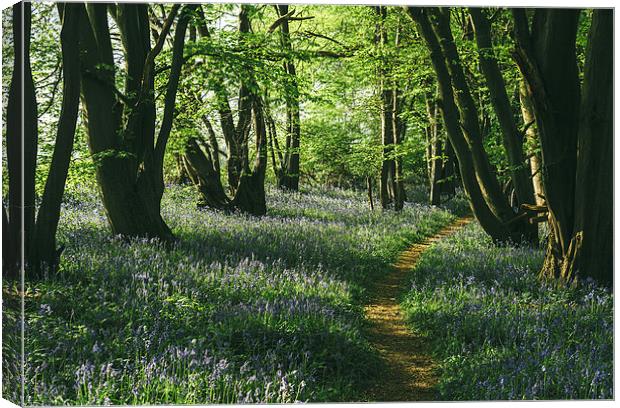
{"points": [[410, 369]]}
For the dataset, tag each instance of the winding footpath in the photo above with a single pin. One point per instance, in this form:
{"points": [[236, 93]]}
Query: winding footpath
{"points": [[410, 370]]}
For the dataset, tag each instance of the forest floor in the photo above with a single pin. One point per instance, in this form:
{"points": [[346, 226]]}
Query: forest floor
{"points": [[410, 369]]}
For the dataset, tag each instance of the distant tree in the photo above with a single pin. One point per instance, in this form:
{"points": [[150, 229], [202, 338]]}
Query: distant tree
{"points": [[288, 175], [246, 183], [391, 190]]}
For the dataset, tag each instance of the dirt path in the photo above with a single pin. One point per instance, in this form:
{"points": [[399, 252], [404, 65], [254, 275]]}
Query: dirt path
{"points": [[410, 374]]}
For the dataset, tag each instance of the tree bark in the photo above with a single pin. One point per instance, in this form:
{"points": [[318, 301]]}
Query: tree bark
{"points": [[21, 143], [289, 179], [369, 191], [121, 130], [489, 185], [247, 185], [448, 175], [576, 134], [527, 111], [435, 160], [386, 181], [512, 138], [44, 251], [594, 180], [489, 221]]}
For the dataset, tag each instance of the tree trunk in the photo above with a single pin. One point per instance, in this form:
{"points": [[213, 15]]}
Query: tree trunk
{"points": [[594, 181], [512, 138], [494, 226], [121, 130], [576, 134], [289, 179], [44, 251], [369, 190], [250, 196], [5, 243], [487, 181], [448, 175], [435, 160], [530, 133], [397, 130], [204, 176], [246, 184], [21, 144]]}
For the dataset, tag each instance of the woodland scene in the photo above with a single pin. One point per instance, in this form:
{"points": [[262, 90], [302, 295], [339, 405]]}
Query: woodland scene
{"points": [[272, 203]]}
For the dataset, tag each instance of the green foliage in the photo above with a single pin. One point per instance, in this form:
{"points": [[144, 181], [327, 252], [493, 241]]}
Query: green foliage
{"points": [[241, 309], [499, 333]]}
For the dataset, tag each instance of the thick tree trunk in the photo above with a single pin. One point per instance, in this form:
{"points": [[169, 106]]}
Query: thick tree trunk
{"points": [[594, 190], [576, 135], [204, 176], [44, 251], [549, 64], [581, 208], [128, 160]]}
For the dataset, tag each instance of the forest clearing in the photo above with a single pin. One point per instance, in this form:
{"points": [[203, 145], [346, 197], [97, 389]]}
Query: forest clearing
{"points": [[236, 203]]}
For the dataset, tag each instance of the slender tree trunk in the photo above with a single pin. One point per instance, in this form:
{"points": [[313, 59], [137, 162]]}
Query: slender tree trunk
{"points": [[247, 184], [512, 138], [44, 251], [399, 189], [435, 160], [369, 190], [289, 179], [530, 133], [386, 187], [489, 185], [448, 173], [487, 219], [21, 143]]}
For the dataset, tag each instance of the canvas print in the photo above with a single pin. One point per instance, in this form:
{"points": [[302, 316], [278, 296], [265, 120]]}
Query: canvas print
{"points": [[270, 203]]}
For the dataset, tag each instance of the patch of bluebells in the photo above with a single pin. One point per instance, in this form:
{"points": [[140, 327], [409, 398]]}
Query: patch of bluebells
{"points": [[500, 333], [240, 309]]}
